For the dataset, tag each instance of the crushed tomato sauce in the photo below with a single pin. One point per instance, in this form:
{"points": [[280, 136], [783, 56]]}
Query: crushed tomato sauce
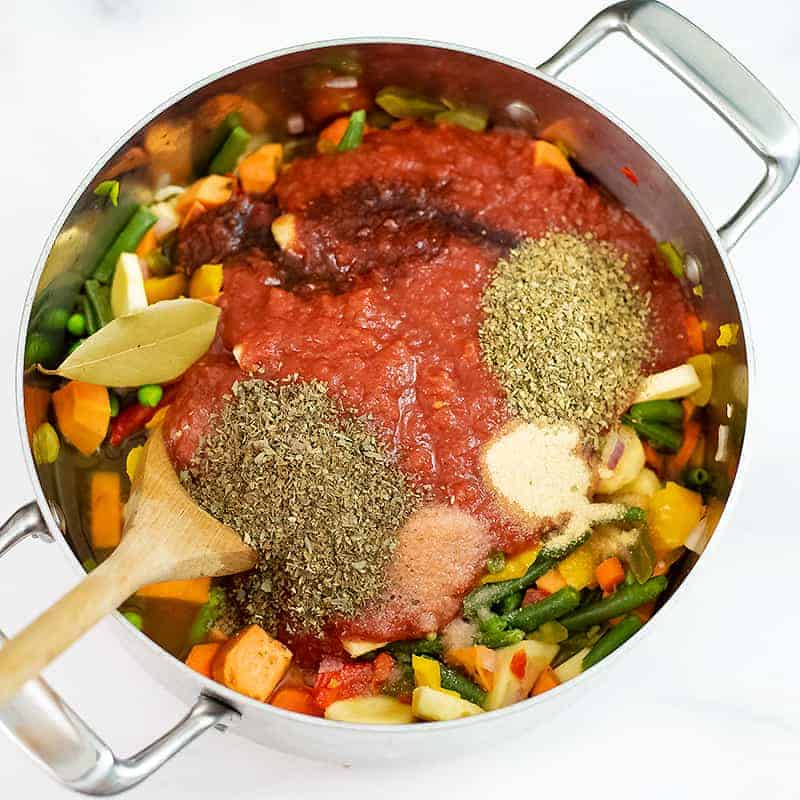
{"points": [[396, 242]]}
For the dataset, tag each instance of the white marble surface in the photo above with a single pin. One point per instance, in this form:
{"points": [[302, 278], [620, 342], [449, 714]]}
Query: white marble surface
{"points": [[708, 708]]}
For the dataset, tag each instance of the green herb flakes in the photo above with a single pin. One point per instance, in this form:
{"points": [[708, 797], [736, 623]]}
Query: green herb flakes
{"points": [[311, 488], [109, 189], [565, 331]]}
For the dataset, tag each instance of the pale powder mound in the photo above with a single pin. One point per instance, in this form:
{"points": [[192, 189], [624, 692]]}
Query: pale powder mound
{"points": [[440, 553], [537, 470]]}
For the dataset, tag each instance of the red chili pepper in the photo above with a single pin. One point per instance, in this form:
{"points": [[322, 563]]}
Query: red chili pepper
{"points": [[129, 421], [519, 664], [630, 175]]}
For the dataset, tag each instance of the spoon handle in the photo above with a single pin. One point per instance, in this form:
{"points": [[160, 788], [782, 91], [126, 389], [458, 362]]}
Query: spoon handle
{"points": [[50, 634]]}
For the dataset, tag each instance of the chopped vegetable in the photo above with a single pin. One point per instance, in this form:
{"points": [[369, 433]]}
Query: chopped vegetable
{"points": [[624, 600], [252, 662], [235, 145], [105, 509], [728, 335], [354, 132], [673, 258], [284, 231], [109, 189], [296, 698], [360, 647], [36, 401], [134, 617], [478, 661], [667, 412], [704, 367], [210, 192], [132, 461], [691, 435], [207, 615], [660, 436], [215, 138], [427, 671], [472, 118], [610, 574], [514, 567], [621, 460], [572, 667], [577, 568], [206, 281], [673, 383], [453, 681], [140, 221], [149, 395], [201, 657], [259, 170], [547, 680], [127, 289], [549, 155], [82, 413], [154, 346], [674, 513], [379, 710], [45, 444], [194, 591], [129, 421], [99, 298], [552, 581], [76, 325], [436, 706], [697, 478], [550, 633], [148, 242], [532, 616], [694, 332], [406, 104], [330, 136], [617, 636], [170, 287], [514, 679]]}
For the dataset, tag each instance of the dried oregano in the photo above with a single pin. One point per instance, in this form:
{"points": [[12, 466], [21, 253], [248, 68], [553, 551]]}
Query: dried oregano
{"points": [[565, 331], [311, 488]]}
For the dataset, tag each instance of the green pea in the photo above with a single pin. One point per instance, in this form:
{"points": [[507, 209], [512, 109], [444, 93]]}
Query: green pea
{"points": [[46, 445], [113, 402], [134, 617], [55, 320], [150, 395], [76, 325]]}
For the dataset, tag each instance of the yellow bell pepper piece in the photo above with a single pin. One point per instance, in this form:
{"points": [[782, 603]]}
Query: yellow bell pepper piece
{"points": [[428, 672], [170, 287], [704, 367], [674, 513], [728, 334], [515, 567], [206, 281], [578, 567], [132, 461]]}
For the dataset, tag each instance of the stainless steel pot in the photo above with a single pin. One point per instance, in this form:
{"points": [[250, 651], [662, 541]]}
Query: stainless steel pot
{"points": [[517, 95]]}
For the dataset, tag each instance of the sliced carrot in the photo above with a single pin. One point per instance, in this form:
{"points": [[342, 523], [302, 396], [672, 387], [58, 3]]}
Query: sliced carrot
{"points": [[83, 412], [258, 171], [252, 662], [694, 335], [36, 402], [147, 244], [105, 509], [211, 191], [644, 612], [609, 574], [653, 459], [202, 656], [217, 635], [478, 661], [675, 464], [547, 154], [551, 581], [195, 210], [547, 680], [330, 136], [193, 591], [296, 698]]}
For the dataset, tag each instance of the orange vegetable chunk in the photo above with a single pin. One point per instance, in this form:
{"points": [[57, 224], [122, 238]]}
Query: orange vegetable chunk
{"points": [[105, 509], [210, 192], [36, 401], [547, 680], [193, 591], [258, 171], [298, 699], [252, 662], [546, 154], [201, 657], [83, 412], [551, 581], [610, 574]]}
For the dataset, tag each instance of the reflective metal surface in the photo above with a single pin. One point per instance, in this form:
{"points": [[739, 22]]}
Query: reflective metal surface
{"points": [[516, 96]]}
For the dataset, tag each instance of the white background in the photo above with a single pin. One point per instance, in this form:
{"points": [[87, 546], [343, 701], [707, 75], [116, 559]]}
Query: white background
{"points": [[709, 707]]}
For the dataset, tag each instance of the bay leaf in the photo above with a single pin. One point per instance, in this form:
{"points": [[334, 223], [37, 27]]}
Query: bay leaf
{"points": [[155, 345]]}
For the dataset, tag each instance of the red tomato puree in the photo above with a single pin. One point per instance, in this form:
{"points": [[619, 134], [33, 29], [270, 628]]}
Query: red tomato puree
{"points": [[397, 337]]}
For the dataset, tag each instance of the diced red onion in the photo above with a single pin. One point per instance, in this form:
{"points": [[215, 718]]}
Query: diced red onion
{"points": [[616, 454]]}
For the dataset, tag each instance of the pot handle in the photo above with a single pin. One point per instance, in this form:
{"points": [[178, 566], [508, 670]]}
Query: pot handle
{"points": [[61, 742], [714, 75]]}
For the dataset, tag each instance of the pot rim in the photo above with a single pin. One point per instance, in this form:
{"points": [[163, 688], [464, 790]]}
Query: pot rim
{"points": [[240, 701]]}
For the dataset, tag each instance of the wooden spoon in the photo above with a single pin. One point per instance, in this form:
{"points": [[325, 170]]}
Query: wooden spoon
{"points": [[166, 537]]}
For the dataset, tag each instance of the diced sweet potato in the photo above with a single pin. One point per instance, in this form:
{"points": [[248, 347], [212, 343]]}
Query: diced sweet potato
{"points": [[258, 171], [211, 191], [194, 591], [546, 154], [252, 663], [202, 656], [105, 509]]}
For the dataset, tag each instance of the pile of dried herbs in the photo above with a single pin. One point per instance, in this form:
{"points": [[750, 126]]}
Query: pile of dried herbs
{"points": [[565, 331], [312, 490]]}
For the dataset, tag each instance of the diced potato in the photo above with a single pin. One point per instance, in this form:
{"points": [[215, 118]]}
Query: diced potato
{"points": [[210, 192], [513, 680], [572, 667], [704, 367], [673, 383], [359, 647], [378, 710], [639, 491], [437, 706], [284, 231], [127, 288], [578, 567], [628, 466]]}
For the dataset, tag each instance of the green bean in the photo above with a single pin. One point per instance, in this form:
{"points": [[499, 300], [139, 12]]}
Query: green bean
{"points": [[354, 132], [488, 594], [416, 647], [500, 638], [227, 156], [634, 515], [40, 348], [668, 412], [456, 681], [474, 119], [660, 436], [137, 226], [511, 602], [100, 299], [55, 320], [625, 599], [697, 478], [575, 643], [406, 104], [92, 323], [610, 641], [552, 607], [207, 615], [215, 141], [673, 258]]}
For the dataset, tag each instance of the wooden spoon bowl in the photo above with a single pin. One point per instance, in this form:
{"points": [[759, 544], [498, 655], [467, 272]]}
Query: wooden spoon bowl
{"points": [[166, 537]]}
